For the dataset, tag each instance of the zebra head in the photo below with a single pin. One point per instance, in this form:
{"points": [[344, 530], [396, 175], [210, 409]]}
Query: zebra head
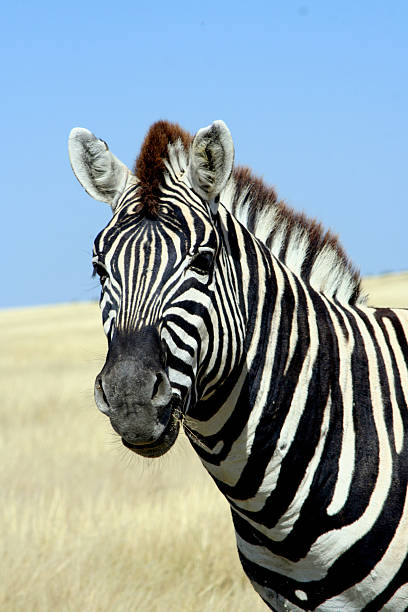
{"points": [[164, 264]]}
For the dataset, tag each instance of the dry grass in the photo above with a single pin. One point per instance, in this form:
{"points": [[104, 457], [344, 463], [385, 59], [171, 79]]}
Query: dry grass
{"points": [[86, 525], [388, 290]]}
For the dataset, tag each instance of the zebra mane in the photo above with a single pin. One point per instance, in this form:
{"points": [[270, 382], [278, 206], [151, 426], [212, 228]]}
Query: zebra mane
{"points": [[300, 243], [151, 162]]}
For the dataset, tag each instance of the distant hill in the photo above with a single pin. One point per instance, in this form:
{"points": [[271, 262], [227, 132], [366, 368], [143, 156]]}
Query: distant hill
{"points": [[387, 290]]}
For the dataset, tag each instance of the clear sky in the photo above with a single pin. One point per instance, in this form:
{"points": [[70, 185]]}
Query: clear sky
{"points": [[315, 94]]}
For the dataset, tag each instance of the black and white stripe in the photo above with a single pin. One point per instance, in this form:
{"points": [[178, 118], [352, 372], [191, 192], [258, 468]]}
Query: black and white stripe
{"points": [[294, 392]]}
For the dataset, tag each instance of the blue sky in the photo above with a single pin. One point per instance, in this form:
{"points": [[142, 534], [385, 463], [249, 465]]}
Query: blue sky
{"points": [[314, 93]]}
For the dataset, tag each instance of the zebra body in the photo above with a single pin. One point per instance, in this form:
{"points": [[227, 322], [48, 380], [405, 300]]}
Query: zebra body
{"points": [[247, 324]]}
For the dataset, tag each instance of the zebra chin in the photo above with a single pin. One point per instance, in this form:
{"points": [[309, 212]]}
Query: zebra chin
{"points": [[166, 439]]}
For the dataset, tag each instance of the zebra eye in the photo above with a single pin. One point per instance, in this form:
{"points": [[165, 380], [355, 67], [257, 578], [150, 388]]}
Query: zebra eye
{"points": [[202, 262], [100, 270]]}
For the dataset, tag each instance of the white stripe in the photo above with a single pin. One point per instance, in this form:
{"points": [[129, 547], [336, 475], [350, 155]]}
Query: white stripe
{"points": [[398, 425], [231, 468], [380, 576], [291, 423], [346, 465], [398, 602]]}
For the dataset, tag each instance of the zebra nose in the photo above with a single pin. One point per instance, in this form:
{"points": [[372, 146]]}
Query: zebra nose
{"points": [[124, 386]]}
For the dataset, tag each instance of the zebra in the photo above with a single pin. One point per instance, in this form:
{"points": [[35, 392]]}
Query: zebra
{"points": [[230, 315]]}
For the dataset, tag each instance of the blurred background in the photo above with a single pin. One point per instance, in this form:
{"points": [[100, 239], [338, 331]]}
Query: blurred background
{"points": [[316, 96]]}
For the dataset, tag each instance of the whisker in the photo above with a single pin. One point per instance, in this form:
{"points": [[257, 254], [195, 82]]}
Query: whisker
{"points": [[183, 420]]}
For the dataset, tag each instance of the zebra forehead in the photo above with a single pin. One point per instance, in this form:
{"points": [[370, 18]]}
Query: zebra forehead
{"points": [[150, 164], [179, 224]]}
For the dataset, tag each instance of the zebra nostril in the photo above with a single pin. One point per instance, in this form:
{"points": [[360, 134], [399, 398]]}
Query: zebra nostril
{"points": [[157, 383], [100, 397], [100, 388]]}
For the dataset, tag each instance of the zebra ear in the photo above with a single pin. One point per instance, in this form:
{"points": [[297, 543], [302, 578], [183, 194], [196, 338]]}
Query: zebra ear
{"points": [[100, 173], [211, 161]]}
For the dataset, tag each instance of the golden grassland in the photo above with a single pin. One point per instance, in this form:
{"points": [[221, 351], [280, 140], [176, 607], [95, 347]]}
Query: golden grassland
{"points": [[87, 525]]}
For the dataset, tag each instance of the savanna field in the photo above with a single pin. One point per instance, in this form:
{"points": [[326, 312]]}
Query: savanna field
{"points": [[86, 524]]}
